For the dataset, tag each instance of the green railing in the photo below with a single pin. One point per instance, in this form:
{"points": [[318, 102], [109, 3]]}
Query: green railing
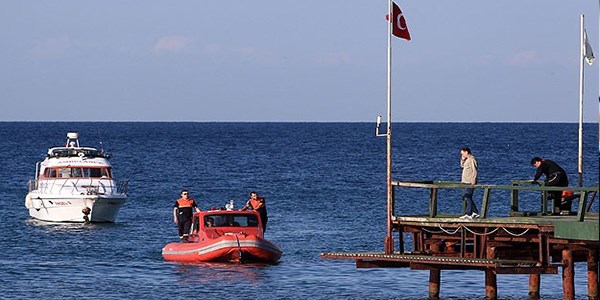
{"points": [[516, 187]]}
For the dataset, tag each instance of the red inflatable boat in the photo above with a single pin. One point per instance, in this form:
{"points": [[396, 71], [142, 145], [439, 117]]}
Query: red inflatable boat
{"points": [[224, 236]]}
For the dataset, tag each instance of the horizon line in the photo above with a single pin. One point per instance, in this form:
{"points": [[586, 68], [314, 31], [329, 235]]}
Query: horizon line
{"points": [[213, 121]]}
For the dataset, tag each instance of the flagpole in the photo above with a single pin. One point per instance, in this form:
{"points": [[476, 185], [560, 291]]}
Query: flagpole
{"points": [[389, 240], [581, 80]]}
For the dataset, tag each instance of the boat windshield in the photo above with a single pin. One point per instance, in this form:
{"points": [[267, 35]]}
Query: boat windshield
{"points": [[71, 152], [78, 172], [231, 220]]}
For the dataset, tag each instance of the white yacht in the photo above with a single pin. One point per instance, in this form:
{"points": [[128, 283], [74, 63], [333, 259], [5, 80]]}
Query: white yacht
{"points": [[75, 184]]}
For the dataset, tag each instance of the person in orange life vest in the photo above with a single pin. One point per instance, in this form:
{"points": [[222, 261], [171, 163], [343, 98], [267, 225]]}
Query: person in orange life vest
{"points": [[258, 204], [182, 213]]}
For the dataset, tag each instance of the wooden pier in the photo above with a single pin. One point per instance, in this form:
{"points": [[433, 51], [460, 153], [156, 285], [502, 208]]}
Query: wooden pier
{"points": [[521, 242]]}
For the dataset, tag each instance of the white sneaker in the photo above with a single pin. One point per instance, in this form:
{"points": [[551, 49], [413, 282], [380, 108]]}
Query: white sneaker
{"points": [[466, 217], [474, 216]]}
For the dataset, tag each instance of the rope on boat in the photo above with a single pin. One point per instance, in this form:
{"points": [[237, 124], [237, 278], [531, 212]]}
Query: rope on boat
{"points": [[239, 246]]}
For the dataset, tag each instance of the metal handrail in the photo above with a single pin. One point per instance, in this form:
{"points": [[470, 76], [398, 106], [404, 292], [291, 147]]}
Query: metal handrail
{"points": [[116, 186], [517, 186]]}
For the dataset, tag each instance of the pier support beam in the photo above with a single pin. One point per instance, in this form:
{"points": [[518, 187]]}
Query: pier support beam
{"points": [[534, 286], [434, 284], [435, 275], [568, 275], [592, 266], [491, 288]]}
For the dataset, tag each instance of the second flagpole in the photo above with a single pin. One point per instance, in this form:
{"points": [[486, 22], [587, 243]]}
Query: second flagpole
{"points": [[581, 81]]}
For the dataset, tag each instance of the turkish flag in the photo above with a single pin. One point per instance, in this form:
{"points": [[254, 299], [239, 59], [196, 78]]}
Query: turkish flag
{"points": [[399, 27]]}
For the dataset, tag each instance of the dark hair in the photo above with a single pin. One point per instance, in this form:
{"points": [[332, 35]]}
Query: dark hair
{"points": [[184, 191], [535, 159], [253, 193], [466, 149]]}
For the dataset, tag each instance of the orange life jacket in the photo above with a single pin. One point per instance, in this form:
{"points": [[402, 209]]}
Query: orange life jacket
{"points": [[256, 202], [181, 202]]}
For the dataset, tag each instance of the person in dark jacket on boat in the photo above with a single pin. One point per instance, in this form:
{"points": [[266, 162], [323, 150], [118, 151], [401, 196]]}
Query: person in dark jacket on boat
{"points": [[555, 176], [183, 212], [258, 204]]}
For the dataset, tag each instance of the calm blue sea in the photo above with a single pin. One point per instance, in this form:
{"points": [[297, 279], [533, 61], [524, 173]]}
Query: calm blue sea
{"points": [[325, 188]]}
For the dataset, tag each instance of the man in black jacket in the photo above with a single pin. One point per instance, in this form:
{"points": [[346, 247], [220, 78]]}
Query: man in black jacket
{"points": [[555, 176]]}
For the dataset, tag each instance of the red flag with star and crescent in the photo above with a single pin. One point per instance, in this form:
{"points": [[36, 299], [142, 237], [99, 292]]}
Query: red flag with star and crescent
{"points": [[399, 27]]}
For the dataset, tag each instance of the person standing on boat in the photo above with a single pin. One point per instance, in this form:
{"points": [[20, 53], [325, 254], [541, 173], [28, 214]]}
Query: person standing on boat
{"points": [[469, 176], [183, 212], [555, 176], [258, 204]]}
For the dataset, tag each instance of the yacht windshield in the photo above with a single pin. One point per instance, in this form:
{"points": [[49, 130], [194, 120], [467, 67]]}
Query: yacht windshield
{"points": [[77, 172]]}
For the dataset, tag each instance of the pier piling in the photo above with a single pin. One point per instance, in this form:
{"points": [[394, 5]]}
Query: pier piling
{"points": [[592, 264], [491, 289], [434, 283], [435, 275], [534, 286], [568, 275]]}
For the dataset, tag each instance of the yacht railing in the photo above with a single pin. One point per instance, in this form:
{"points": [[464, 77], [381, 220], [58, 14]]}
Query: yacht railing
{"points": [[79, 186], [122, 186]]}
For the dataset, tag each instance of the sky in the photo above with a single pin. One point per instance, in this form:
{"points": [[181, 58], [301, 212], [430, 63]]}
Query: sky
{"points": [[297, 61]]}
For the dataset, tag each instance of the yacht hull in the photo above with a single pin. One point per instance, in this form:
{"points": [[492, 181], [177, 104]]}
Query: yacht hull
{"points": [[60, 208]]}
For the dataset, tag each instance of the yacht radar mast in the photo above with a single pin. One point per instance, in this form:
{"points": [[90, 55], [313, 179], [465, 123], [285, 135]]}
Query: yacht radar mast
{"points": [[72, 140]]}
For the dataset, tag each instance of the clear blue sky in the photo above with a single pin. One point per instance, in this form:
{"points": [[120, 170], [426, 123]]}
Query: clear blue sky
{"points": [[313, 60]]}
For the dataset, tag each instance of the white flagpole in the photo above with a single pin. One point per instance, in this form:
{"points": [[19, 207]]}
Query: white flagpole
{"points": [[389, 240], [581, 79]]}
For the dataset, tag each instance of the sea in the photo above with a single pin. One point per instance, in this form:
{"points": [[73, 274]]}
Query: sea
{"points": [[324, 185]]}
